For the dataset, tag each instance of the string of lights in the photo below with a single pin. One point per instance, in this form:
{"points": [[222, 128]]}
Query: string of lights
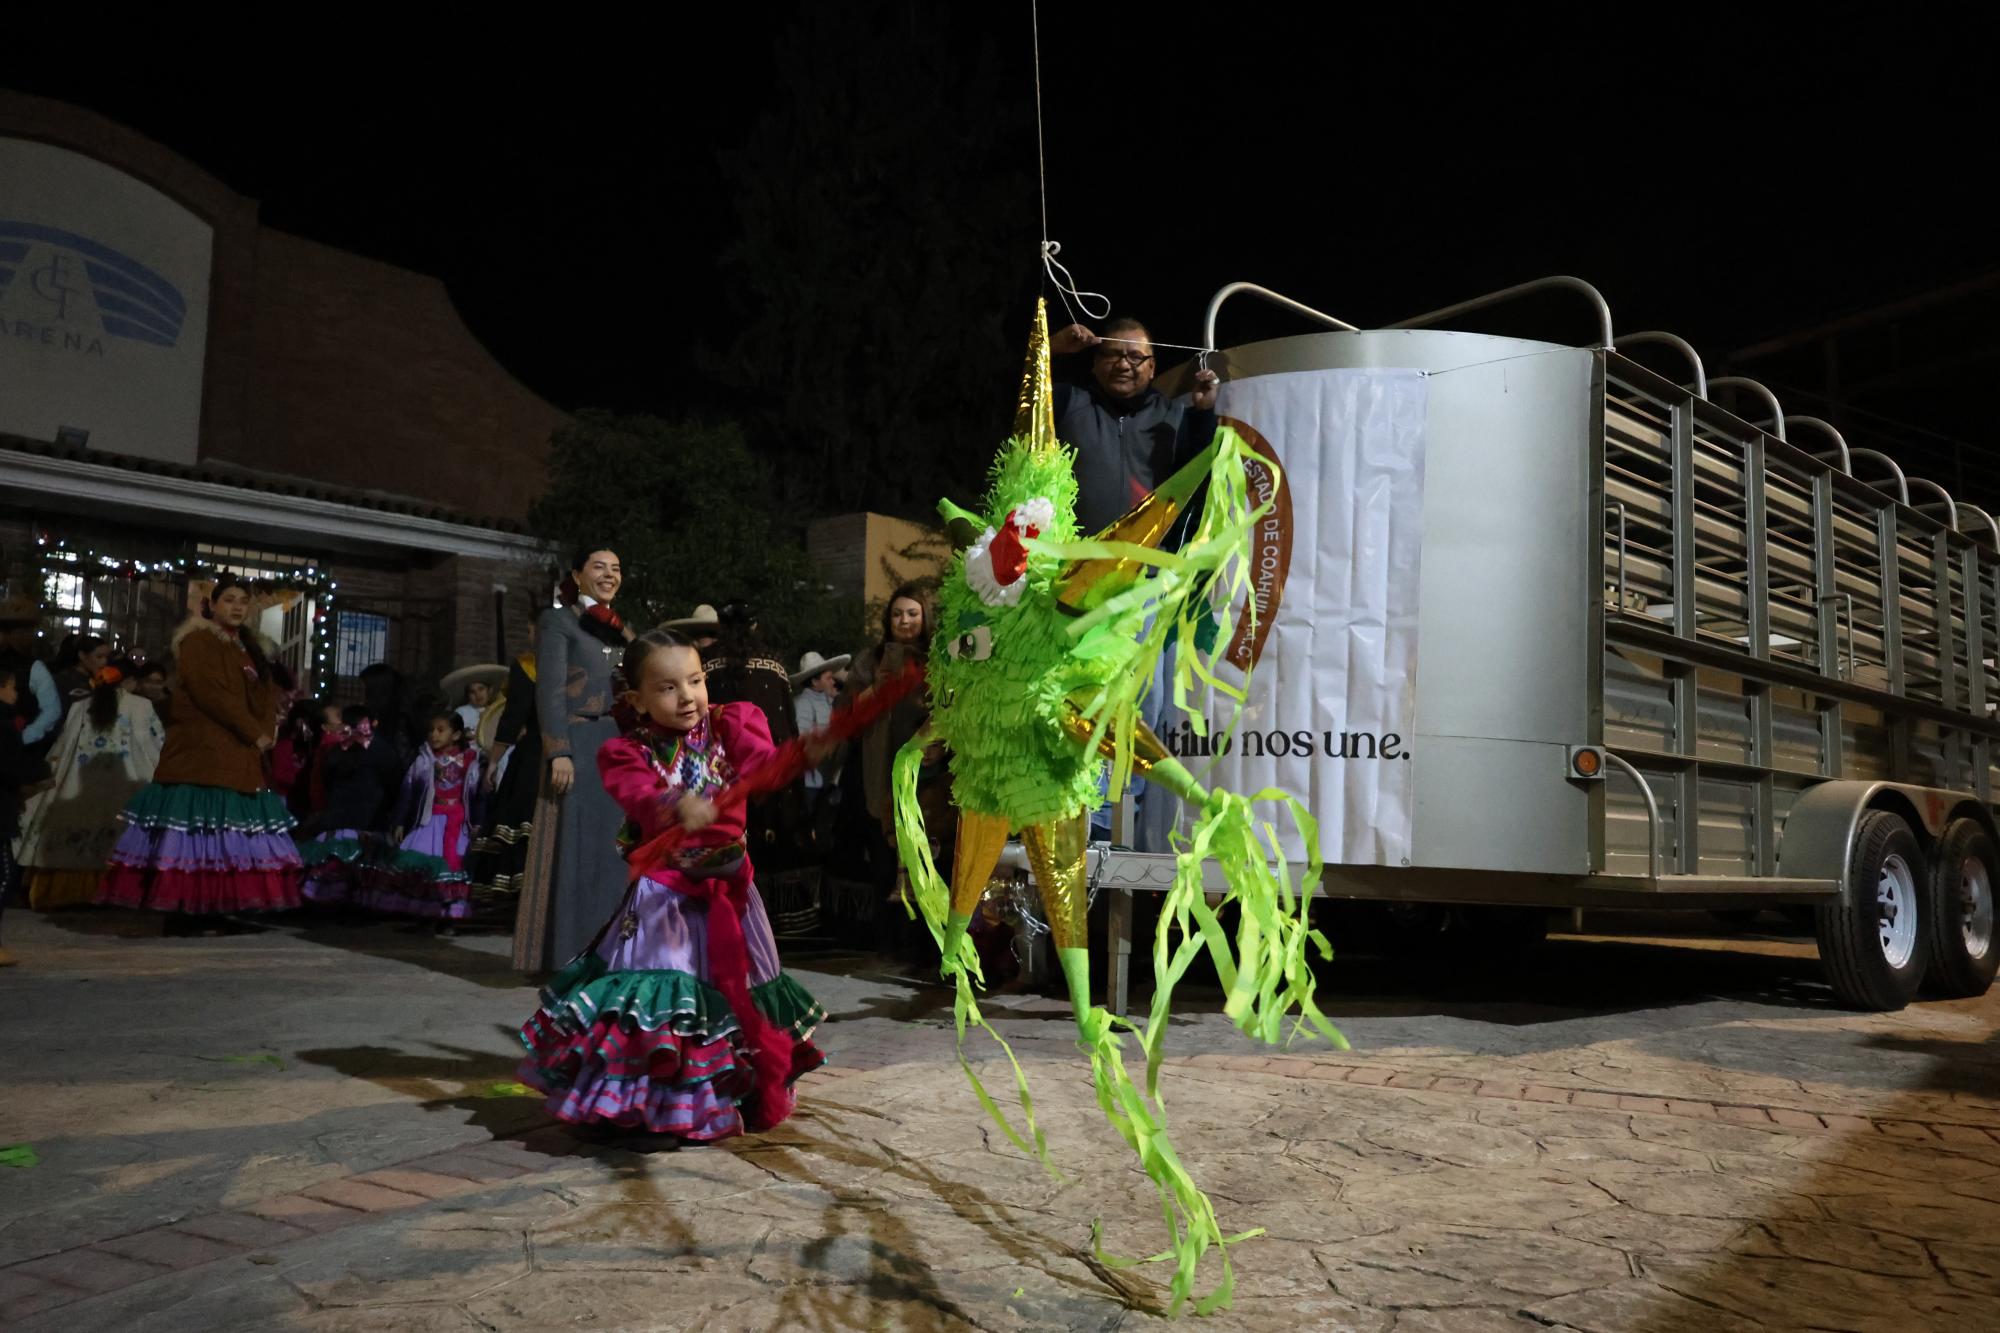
{"points": [[56, 557]]}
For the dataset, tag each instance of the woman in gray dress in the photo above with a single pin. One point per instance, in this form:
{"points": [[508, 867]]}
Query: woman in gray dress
{"points": [[576, 875]]}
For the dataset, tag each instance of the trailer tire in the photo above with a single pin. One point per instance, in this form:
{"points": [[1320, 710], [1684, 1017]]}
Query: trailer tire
{"points": [[1871, 939], [1959, 918]]}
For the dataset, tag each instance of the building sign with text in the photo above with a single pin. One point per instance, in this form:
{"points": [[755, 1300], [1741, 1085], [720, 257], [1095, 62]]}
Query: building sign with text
{"points": [[103, 305]]}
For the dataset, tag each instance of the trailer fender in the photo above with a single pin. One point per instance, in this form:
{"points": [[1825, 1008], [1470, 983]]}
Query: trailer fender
{"points": [[1818, 836], [1966, 808]]}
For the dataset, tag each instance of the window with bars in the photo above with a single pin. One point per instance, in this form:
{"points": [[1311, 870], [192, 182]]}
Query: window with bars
{"points": [[136, 606], [361, 639], [253, 564], [137, 601], [69, 598]]}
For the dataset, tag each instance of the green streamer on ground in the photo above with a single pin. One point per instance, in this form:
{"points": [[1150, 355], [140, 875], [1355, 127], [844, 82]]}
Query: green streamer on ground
{"points": [[933, 900], [1189, 1215], [508, 1090]]}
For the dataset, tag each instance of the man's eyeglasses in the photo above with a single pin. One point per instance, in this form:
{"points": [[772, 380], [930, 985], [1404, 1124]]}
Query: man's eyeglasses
{"points": [[1133, 359]]}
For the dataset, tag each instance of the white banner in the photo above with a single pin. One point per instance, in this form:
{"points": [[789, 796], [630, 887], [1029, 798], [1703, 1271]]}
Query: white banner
{"points": [[103, 305], [1332, 702]]}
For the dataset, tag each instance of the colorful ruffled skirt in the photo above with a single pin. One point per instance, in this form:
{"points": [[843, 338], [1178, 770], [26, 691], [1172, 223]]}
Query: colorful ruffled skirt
{"points": [[196, 849], [425, 877], [333, 864], [347, 867], [633, 1032]]}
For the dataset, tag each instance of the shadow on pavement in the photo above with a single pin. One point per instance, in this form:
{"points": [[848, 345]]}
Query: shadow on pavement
{"points": [[1905, 1241], [412, 943], [472, 958], [882, 1245], [1842, 1056], [485, 1081]]}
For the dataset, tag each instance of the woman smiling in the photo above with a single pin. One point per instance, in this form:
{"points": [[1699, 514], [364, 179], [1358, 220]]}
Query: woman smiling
{"points": [[575, 874]]}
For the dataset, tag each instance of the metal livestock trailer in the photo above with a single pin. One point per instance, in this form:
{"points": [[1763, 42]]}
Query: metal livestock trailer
{"points": [[1672, 658]]}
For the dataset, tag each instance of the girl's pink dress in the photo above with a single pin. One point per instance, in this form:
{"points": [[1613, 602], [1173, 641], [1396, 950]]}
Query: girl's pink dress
{"points": [[678, 1018]]}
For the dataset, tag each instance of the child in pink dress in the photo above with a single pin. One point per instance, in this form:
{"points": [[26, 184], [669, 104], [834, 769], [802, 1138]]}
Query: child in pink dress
{"points": [[425, 876], [678, 1018]]}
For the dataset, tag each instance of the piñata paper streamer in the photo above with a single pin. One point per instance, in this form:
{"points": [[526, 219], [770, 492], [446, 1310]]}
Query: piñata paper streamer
{"points": [[1046, 644]]}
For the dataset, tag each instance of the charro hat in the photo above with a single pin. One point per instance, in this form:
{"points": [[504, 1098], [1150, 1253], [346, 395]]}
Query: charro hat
{"points": [[704, 618], [486, 673], [812, 664]]}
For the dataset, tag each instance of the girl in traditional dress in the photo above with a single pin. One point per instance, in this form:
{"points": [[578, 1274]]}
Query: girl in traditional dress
{"points": [[105, 755], [425, 877], [677, 1019], [208, 836], [351, 783]]}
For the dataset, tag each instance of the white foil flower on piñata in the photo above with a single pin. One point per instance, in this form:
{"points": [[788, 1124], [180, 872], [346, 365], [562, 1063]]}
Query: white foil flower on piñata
{"points": [[994, 564]]}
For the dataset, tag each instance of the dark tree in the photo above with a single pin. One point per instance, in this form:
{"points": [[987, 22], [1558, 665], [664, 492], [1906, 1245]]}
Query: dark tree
{"points": [[695, 518]]}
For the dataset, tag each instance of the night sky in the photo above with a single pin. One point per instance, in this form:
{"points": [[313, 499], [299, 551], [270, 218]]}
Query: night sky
{"points": [[1728, 185]]}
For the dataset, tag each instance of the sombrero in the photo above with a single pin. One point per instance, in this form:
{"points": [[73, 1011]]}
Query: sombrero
{"points": [[482, 673], [812, 664], [704, 618]]}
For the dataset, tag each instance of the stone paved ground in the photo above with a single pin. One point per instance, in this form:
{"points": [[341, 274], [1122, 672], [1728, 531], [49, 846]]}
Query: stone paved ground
{"points": [[310, 1130]]}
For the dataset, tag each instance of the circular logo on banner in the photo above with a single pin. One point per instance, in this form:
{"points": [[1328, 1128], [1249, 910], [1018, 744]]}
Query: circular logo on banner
{"points": [[1270, 548]]}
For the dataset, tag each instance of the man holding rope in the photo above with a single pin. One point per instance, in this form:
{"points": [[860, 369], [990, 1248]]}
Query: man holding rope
{"points": [[1129, 437]]}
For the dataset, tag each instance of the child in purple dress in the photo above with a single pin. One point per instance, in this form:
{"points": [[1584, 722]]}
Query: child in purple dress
{"points": [[425, 876], [678, 1018]]}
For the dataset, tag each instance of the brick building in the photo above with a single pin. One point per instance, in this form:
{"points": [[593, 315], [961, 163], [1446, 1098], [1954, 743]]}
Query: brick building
{"points": [[183, 389], [864, 557]]}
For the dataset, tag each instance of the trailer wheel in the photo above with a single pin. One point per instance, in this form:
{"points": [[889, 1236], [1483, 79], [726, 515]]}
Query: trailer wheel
{"points": [[1871, 939], [1960, 916]]}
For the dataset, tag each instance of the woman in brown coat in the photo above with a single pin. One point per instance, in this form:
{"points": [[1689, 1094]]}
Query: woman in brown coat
{"points": [[208, 837]]}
